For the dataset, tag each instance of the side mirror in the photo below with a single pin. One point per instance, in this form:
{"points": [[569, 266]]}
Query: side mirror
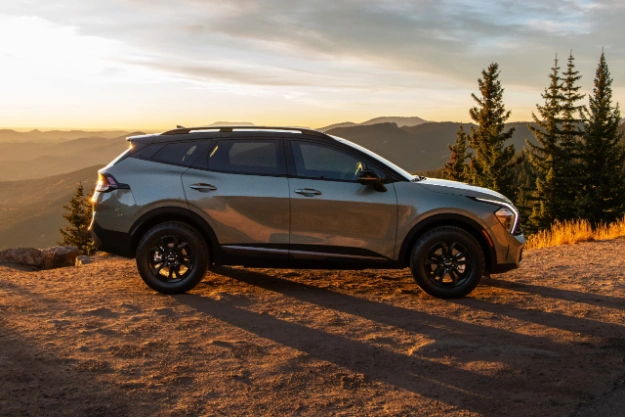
{"points": [[370, 177]]}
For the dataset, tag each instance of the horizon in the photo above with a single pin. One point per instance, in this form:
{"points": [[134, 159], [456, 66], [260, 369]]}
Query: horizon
{"points": [[22, 129], [91, 65]]}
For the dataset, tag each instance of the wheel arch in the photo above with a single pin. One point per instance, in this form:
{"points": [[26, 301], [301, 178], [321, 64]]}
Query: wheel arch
{"points": [[465, 223], [167, 214]]}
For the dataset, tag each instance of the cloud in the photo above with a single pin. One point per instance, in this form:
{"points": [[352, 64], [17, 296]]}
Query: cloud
{"points": [[309, 52]]}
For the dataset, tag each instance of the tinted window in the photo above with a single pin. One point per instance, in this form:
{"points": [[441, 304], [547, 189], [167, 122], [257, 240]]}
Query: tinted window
{"points": [[145, 151], [247, 157], [177, 153], [324, 162]]}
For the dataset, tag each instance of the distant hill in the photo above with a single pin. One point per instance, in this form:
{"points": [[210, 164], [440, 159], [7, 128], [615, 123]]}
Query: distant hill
{"points": [[399, 121], [231, 124], [417, 148], [337, 125], [8, 135], [30, 160], [31, 210]]}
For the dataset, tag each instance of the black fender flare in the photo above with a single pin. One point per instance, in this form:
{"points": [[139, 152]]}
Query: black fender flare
{"points": [[165, 214], [458, 220]]}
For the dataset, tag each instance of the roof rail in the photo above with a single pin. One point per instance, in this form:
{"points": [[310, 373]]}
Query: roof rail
{"points": [[184, 130]]}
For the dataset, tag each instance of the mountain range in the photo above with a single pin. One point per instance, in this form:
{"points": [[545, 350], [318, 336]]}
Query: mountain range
{"points": [[31, 210], [36, 135], [28, 160], [418, 148], [399, 121]]}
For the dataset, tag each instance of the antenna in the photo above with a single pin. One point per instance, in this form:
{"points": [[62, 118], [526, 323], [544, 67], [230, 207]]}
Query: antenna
{"points": [[179, 127]]}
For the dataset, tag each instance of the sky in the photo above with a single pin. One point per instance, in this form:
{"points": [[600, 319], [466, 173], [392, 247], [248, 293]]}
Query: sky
{"points": [[152, 64]]}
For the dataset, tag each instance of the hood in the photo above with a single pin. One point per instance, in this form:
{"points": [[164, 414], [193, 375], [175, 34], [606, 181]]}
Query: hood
{"points": [[460, 188]]}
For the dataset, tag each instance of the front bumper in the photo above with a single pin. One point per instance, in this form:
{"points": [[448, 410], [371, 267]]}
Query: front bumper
{"points": [[513, 254]]}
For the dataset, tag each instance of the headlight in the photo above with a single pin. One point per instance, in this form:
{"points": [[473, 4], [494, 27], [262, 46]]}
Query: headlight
{"points": [[506, 218], [507, 214]]}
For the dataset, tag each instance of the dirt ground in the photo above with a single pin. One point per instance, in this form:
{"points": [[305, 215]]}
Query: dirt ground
{"points": [[545, 340]]}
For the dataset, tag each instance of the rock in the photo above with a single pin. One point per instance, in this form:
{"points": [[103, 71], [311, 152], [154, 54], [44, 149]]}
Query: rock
{"points": [[24, 256], [49, 258], [59, 257]]}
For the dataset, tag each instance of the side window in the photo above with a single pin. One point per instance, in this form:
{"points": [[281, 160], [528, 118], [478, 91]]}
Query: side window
{"points": [[263, 157], [177, 153], [324, 162]]}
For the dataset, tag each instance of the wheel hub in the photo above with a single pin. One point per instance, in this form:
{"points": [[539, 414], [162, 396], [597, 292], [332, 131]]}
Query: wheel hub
{"points": [[171, 259], [446, 264]]}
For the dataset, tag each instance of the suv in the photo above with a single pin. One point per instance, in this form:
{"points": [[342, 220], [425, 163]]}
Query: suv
{"points": [[189, 198]]}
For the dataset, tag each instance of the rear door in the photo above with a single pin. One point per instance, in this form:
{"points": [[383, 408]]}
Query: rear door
{"points": [[332, 215], [241, 188]]}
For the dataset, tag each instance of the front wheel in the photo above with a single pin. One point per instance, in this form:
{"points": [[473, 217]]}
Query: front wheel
{"points": [[172, 257], [447, 262]]}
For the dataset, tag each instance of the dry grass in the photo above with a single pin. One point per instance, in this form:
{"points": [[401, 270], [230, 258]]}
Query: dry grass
{"points": [[574, 231]]}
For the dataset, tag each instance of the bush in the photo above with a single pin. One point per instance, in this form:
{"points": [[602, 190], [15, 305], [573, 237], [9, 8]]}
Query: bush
{"points": [[574, 231]]}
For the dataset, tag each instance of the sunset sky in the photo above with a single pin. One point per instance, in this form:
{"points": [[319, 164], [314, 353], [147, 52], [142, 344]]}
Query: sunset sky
{"points": [[152, 64]]}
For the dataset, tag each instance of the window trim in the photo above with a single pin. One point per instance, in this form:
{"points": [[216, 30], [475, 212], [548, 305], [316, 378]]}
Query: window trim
{"points": [[280, 149], [292, 168]]}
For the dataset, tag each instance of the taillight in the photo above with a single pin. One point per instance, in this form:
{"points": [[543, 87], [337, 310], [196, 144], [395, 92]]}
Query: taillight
{"points": [[107, 183]]}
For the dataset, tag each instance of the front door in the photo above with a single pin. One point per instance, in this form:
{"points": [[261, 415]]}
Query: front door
{"points": [[243, 194], [334, 216]]}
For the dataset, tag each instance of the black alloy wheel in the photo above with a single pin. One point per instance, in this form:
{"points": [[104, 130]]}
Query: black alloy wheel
{"points": [[447, 262], [172, 257]]}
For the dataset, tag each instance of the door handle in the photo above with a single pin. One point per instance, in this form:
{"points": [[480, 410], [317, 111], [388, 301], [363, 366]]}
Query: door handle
{"points": [[308, 192], [203, 187]]}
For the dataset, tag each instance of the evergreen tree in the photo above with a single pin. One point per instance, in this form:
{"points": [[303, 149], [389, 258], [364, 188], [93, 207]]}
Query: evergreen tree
{"points": [[602, 195], [492, 165], [78, 216], [570, 176], [545, 157], [456, 169]]}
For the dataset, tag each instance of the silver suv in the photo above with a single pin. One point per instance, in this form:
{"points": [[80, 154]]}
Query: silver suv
{"points": [[189, 198]]}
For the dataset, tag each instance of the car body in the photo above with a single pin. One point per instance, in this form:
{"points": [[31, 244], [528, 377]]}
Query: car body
{"points": [[292, 198]]}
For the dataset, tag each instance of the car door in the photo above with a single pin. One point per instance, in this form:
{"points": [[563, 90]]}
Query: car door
{"points": [[333, 216], [241, 189]]}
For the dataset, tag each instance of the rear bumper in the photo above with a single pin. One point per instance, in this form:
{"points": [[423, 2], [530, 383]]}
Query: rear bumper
{"points": [[117, 243]]}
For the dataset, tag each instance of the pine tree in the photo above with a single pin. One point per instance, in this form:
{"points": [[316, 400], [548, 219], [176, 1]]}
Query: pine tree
{"points": [[570, 179], [78, 216], [545, 157], [492, 165], [456, 169], [602, 196]]}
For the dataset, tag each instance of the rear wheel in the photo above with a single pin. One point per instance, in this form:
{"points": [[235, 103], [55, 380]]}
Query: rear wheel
{"points": [[447, 262], [172, 257]]}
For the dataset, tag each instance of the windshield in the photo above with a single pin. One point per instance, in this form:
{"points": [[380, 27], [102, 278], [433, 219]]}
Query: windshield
{"points": [[377, 157]]}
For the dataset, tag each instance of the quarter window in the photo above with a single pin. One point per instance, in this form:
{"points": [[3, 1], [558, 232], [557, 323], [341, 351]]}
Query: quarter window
{"points": [[262, 157], [177, 153], [323, 162]]}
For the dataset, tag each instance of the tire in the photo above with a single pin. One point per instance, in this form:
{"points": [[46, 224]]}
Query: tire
{"points": [[447, 262], [172, 257]]}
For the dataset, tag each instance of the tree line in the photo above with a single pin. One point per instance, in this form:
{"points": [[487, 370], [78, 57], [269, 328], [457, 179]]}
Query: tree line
{"points": [[575, 169]]}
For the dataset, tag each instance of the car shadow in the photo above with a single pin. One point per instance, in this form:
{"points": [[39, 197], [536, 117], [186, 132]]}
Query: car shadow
{"points": [[36, 382], [427, 378], [566, 295], [536, 363]]}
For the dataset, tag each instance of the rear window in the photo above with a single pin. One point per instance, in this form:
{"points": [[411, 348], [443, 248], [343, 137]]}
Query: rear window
{"points": [[262, 157], [177, 153]]}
